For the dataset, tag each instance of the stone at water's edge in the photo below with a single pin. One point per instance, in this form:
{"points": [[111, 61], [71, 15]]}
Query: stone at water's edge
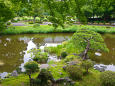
{"points": [[14, 73], [44, 66]]}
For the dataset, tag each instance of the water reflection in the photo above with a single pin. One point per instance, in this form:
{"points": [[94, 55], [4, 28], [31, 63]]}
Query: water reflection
{"points": [[27, 56], [13, 48]]}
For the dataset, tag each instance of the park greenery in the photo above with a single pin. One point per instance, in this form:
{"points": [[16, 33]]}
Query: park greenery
{"points": [[58, 12], [74, 67], [73, 64]]}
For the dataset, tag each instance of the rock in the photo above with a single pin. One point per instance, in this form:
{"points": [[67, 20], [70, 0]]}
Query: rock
{"points": [[64, 67], [101, 68], [98, 54], [44, 66], [72, 63], [67, 80], [14, 73], [53, 65]]}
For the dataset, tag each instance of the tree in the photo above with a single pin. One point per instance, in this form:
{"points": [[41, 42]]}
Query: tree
{"points": [[86, 40], [5, 15], [30, 68], [35, 9]]}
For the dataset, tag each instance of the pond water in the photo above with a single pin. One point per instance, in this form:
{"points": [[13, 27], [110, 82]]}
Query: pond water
{"points": [[13, 48]]}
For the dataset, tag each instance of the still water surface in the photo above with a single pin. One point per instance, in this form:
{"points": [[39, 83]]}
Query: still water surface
{"points": [[13, 49]]}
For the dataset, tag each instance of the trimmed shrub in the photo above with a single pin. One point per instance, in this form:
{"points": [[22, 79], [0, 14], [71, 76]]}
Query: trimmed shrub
{"points": [[63, 54], [8, 23], [44, 77], [40, 22], [41, 57], [31, 67], [87, 64], [36, 25], [107, 78], [70, 58], [75, 72], [31, 22]]}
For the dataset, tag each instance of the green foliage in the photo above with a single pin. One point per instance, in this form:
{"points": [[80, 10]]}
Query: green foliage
{"points": [[57, 70], [31, 67], [50, 29], [87, 40], [44, 76], [20, 80], [8, 23], [87, 64], [75, 72], [54, 50], [63, 54], [70, 58], [5, 15], [108, 78], [40, 57], [14, 20], [31, 22], [36, 25]]}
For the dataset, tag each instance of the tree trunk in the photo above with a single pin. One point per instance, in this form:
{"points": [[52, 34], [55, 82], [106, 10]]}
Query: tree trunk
{"points": [[30, 79], [86, 51], [34, 19], [87, 70]]}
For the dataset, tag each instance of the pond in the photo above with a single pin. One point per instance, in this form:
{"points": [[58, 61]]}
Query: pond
{"points": [[13, 48]]}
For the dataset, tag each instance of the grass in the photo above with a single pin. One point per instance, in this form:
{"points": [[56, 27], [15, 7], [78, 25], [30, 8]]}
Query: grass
{"points": [[50, 29], [92, 79], [21, 80]]}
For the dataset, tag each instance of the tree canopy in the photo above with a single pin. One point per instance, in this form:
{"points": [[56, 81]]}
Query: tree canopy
{"points": [[59, 11], [5, 14], [87, 40]]}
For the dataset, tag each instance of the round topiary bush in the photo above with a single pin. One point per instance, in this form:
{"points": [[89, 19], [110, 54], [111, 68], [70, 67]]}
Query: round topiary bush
{"points": [[75, 72], [41, 57], [31, 67], [63, 54], [107, 78]]}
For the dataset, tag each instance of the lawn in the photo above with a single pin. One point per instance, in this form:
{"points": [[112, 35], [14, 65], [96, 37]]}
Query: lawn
{"points": [[50, 29]]}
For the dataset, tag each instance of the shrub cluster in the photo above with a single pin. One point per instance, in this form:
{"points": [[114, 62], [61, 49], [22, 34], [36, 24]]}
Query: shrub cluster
{"points": [[87, 64], [108, 78], [41, 57], [31, 66], [63, 54], [75, 72], [31, 22], [8, 23], [36, 25]]}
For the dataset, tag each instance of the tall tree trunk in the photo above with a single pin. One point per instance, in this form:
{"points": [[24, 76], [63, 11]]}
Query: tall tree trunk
{"points": [[30, 79], [86, 51], [34, 19]]}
